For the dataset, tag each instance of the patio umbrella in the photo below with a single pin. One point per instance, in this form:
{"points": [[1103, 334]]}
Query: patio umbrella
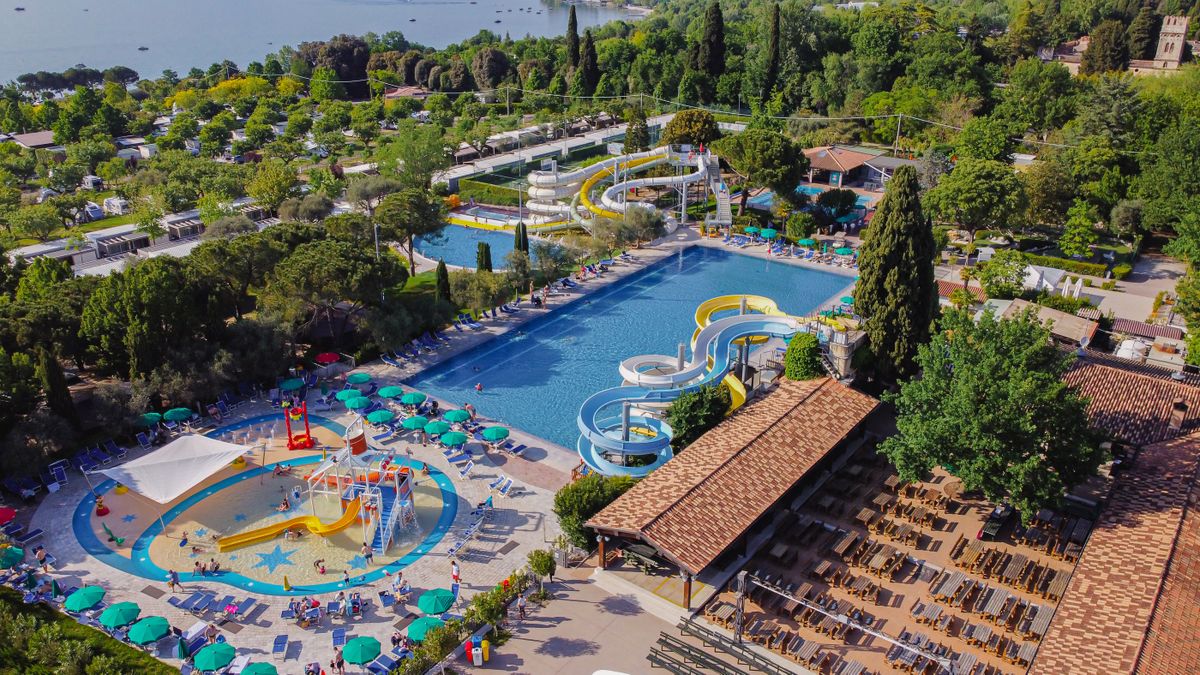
{"points": [[845, 250], [292, 384], [847, 300], [495, 433], [55, 589], [347, 394], [7, 514], [120, 614], [415, 422], [214, 656], [769, 233], [390, 392], [453, 438], [437, 601], [260, 668], [358, 378], [149, 629], [751, 230], [84, 599], [326, 358], [437, 428], [807, 241], [178, 414], [418, 628], [181, 650], [10, 556], [413, 398], [149, 419], [361, 650], [381, 417], [358, 403], [456, 416]]}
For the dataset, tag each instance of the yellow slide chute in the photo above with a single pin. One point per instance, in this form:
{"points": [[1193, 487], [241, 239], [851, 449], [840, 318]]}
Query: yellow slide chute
{"points": [[585, 190], [311, 523], [754, 303]]}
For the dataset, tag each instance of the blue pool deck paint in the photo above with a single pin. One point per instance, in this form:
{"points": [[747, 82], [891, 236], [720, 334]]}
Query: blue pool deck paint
{"points": [[139, 563], [536, 376]]}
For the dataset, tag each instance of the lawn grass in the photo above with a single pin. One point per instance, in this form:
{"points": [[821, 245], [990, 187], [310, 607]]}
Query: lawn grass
{"points": [[84, 228], [425, 282], [17, 657]]}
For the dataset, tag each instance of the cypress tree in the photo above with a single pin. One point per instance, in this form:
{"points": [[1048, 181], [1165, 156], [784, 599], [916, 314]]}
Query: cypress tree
{"points": [[772, 73], [896, 292], [54, 385], [483, 257], [710, 53], [442, 293], [1141, 34], [524, 238], [589, 67], [517, 234], [572, 40]]}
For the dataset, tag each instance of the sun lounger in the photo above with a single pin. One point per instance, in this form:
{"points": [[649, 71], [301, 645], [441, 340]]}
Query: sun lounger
{"points": [[504, 489], [201, 606], [29, 537], [459, 458], [516, 450], [384, 664], [496, 483], [339, 637], [280, 647], [463, 472], [111, 447], [15, 487]]}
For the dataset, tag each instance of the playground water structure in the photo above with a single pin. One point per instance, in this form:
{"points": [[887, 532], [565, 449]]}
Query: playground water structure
{"points": [[246, 500], [549, 191], [654, 381]]}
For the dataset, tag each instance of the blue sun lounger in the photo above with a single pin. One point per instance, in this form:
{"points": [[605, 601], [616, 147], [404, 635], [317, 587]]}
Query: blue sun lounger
{"points": [[280, 647], [384, 664], [339, 637]]}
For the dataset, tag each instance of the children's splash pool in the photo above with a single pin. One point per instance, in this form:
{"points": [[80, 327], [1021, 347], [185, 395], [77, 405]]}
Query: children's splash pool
{"points": [[237, 501], [457, 245]]}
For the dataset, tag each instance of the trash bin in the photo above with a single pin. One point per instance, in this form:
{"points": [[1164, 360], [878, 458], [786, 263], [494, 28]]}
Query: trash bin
{"points": [[467, 647], [485, 646], [477, 656]]}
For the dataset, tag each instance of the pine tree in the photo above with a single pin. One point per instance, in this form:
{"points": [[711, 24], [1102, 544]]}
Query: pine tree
{"points": [[589, 67], [1108, 50], [572, 40], [896, 291], [637, 135], [710, 53], [54, 385], [772, 72], [483, 257], [442, 292], [1141, 34]]}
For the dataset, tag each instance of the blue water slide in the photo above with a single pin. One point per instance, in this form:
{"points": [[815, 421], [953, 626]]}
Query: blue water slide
{"points": [[714, 351]]}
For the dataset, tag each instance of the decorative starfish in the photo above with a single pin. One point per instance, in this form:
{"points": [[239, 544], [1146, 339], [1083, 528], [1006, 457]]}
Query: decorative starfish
{"points": [[357, 563], [274, 559], [239, 517], [129, 517]]}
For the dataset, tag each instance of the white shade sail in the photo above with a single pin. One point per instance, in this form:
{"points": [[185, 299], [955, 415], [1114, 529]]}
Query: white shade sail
{"points": [[175, 468]]}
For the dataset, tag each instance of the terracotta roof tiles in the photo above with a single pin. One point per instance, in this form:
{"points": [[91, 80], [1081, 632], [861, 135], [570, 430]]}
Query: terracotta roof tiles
{"points": [[1133, 403]]}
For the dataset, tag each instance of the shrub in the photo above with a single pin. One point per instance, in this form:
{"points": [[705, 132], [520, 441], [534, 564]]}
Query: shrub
{"points": [[1076, 266], [487, 194], [542, 564], [696, 412], [576, 502], [1121, 271], [802, 361]]}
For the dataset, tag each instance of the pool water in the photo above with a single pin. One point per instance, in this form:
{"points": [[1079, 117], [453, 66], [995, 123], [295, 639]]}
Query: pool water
{"points": [[765, 200], [458, 244], [536, 378]]}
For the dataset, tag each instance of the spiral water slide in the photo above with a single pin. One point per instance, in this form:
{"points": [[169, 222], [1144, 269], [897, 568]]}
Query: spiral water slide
{"points": [[547, 188], [655, 381]]}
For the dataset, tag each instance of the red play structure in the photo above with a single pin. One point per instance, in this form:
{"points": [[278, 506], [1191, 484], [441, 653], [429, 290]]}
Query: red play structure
{"points": [[297, 441]]}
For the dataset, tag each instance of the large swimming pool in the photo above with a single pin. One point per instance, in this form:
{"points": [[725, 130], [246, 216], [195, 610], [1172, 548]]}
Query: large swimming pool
{"points": [[535, 379], [457, 245]]}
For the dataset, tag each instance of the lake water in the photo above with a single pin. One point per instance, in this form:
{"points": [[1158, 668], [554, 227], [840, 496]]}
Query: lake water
{"points": [[56, 34]]}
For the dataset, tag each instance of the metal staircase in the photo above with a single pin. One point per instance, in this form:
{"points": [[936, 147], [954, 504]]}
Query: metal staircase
{"points": [[724, 215]]}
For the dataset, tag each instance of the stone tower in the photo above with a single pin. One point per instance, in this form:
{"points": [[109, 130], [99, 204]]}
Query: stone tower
{"points": [[1171, 42]]}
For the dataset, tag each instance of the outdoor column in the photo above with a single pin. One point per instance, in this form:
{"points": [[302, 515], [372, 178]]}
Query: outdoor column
{"points": [[603, 559], [625, 421], [679, 357], [687, 591]]}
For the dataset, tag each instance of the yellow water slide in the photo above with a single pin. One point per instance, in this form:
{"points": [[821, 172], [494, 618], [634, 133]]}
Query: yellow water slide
{"points": [[754, 303], [585, 190], [311, 523]]}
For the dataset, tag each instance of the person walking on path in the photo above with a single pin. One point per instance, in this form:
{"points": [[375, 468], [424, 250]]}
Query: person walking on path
{"points": [[454, 572], [367, 553], [521, 606], [41, 558], [173, 580]]}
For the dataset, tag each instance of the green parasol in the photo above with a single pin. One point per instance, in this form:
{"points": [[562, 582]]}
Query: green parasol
{"points": [[437, 601], [120, 614], [181, 650], [149, 629], [495, 433], [55, 589], [260, 668], [214, 656], [361, 650], [415, 422], [178, 414], [437, 428], [390, 392], [31, 581], [358, 403], [847, 300], [452, 438], [807, 241], [292, 384], [419, 628], [10, 556], [769, 233], [347, 394], [413, 398], [84, 599], [751, 230], [845, 250], [358, 378], [149, 419], [381, 417], [456, 416]]}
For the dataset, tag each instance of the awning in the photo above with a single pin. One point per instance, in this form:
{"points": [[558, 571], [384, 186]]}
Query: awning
{"points": [[175, 468]]}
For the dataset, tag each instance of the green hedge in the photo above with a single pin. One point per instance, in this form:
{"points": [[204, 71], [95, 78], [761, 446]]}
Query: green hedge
{"points": [[486, 194], [1075, 266]]}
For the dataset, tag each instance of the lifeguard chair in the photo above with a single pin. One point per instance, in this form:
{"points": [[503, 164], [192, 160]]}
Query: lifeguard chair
{"points": [[296, 413]]}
